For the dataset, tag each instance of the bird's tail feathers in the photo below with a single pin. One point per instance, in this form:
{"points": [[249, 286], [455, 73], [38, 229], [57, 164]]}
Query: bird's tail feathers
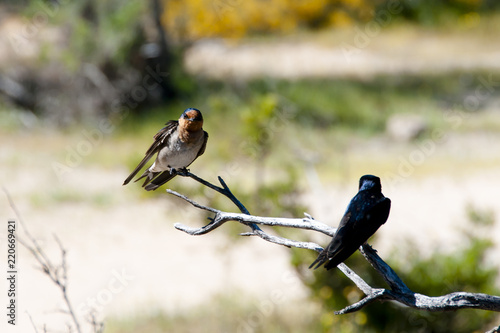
{"points": [[137, 169], [156, 182], [318, 262]]}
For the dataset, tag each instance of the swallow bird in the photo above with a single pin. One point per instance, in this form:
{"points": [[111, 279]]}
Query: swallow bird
{"points": [[178, 144], [366, 212]]}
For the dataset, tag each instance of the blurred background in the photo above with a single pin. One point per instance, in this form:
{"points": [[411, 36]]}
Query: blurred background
{"points": [[300, 99]]}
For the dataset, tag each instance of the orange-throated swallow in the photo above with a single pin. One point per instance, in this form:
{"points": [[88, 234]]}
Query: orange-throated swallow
{"points": [[366, 212], [178, 144]]}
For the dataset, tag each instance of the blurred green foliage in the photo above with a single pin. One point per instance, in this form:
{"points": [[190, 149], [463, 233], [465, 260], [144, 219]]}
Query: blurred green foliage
{"points": [[100, 32], [111, 35], [428, 12], [258, 110]]}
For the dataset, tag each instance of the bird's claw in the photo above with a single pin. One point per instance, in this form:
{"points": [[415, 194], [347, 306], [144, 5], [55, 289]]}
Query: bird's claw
{"points": [[180, 171], [172, 171]]}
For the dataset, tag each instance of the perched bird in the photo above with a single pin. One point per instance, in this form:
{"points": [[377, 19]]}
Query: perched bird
{"points": [[366, 212], [178, 144]]}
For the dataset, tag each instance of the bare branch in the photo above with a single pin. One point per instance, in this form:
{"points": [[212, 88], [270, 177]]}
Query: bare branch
{"points": [[453, 301], [390, 277], [284, 241], [224, 190], [192, 202], [223, 217], [375, 294], [359, 282], [398, 291]]}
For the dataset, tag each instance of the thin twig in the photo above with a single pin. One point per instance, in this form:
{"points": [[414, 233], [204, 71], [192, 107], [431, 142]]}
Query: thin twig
{"points": [[97, 326], [374, 295], [192, 202], [224, 190], [232, 197], [32, 322]]}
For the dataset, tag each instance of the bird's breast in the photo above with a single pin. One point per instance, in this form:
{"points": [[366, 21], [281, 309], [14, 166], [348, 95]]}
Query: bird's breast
{"points": [[178, 154]]}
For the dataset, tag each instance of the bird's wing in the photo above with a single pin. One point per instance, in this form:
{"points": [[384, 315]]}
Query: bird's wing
{"points": [[204, 146], [344, 244], [376, 215], [159, 138], [336, 244], [158, 181], [342, 237], [162, 136]]}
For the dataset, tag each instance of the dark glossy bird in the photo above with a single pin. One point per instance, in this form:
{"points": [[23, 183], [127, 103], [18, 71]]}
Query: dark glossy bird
{"points": [[177, 144], [366, 212]]}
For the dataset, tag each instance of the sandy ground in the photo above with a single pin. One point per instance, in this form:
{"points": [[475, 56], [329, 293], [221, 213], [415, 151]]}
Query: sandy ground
{"points": [[344, 54]]}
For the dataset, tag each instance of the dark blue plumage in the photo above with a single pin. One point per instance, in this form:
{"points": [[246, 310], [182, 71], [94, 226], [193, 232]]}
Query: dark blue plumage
{"points": [[366, 212]]}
